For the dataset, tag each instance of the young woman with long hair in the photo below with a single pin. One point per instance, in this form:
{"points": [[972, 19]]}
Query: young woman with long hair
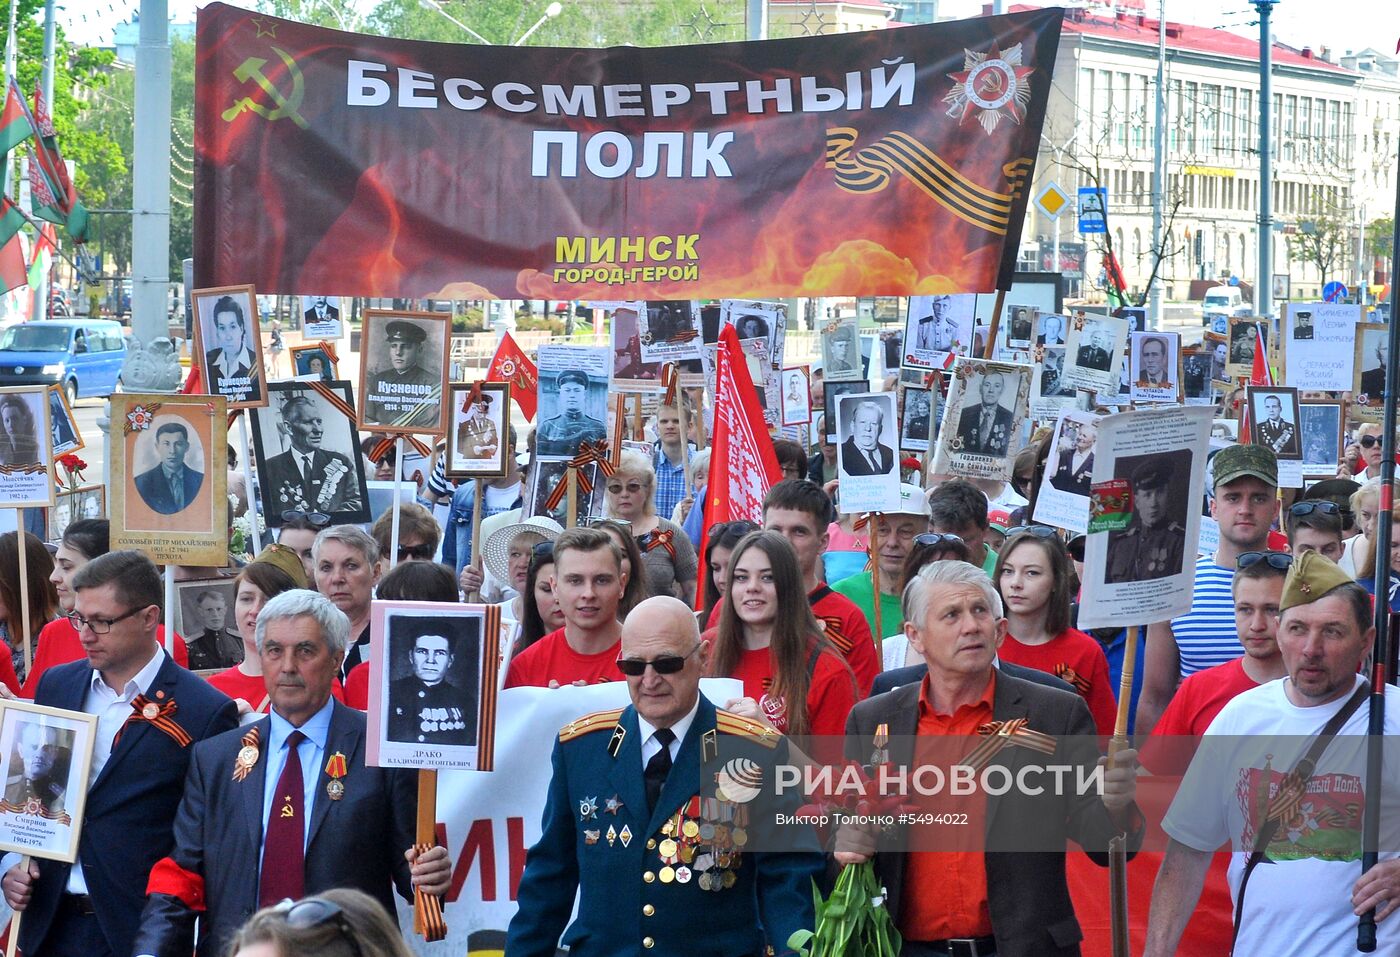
{"points": [[719, 547]]}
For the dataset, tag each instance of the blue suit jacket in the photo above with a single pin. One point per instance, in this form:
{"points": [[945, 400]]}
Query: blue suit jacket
{"points": [[771, 897], [130, 806], [156, 491], [355, 842]]}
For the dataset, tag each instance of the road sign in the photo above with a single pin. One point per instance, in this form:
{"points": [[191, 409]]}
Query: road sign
{"points": [[1052, 200], [1093, 207], [1334, 291]]}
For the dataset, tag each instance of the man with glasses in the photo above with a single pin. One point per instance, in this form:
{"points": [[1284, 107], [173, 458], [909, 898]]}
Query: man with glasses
{"points": [[149, 712], [287, 807], [632, 824], [1315, 526], [307, 477], [1244, 504], [588, 582], [425, 707], [898, 532]]}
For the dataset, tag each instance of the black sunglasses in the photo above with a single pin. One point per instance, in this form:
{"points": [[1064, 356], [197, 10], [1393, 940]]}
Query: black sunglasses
{"points": [[934, 539], [315, 911], [1368, 441], [1279, 560], [1307, 508], [661, 664], [416, 553], [314, 519], [1035, 531]]}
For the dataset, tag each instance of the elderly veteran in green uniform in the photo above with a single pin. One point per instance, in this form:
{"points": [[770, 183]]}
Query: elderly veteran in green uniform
{"points": [[658, 863], [563, 433], [1152, 546], [405, 394]]}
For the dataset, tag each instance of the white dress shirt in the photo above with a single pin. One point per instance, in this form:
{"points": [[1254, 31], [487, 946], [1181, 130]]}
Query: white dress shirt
{"points": [[650, 746]]}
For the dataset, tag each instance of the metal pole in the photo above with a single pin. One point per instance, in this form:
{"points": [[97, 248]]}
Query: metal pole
{"points": [[1263, 283], [1159, 165], [756, 16], [48, 51], [11, 53], [150, 227]]}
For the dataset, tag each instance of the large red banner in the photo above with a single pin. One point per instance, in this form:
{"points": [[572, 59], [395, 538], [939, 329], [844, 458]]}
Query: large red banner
{"points": [[886, 162]]}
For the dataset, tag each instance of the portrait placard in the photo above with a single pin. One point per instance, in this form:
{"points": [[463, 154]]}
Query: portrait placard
{"points": [[311, 359], [403, 366], [1242, 334], [1063, 499], [170, 477], [90, 501], [797, 395], [757, 319], [320, 318], [1324, 437], [1144, 516], [573, 399], [832, 391], [762, 374], [1051, 329], [1319, 345], [841, 359], [48, 757], [632, 370], [1195, 377], [1368, 371], [1273, 420], [1019, 325], [670, 330], [1094, 350], [205, 617], [1050, 393], [228, 345], [63, 424], [479, 431], [916, 419], [1218, 346], [26, 440], [1155, 369], [545, 477], [866, 461], [891, 350], [432, 702], [308, 455], [983, 420]]}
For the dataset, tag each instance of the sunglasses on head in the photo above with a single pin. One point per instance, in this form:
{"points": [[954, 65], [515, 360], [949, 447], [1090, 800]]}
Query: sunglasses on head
{"points": [[661, 664], [315, 911], [1307, 508], [1279, 560], [314, 519], [935, 539], [1369, 441], [542, 550], [1035, 531]]}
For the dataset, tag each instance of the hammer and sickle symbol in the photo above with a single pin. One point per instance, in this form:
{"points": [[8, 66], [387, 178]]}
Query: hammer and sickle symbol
{"points": [[287, 106]]}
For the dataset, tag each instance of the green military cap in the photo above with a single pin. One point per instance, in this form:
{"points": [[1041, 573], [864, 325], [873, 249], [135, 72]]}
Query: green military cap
{"points": [[284, 558], [401, 331], [1151, 474], [1310, 577], [1237, 461]]}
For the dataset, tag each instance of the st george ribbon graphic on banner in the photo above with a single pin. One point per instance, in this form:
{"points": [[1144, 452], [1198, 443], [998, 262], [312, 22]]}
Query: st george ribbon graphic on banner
{"points": [[779, 168]]}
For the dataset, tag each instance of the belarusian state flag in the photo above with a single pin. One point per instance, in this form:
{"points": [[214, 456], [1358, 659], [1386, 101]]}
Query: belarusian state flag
{"points": [[743, 466], [14, 123], [11, 220], [42, 201], [65, 210]]}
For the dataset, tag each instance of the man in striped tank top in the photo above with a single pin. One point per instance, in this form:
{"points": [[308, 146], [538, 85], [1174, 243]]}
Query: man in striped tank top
{"points": [[1245, 504]]}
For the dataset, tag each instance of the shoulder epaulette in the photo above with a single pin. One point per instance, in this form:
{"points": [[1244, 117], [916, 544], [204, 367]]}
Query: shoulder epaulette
{"points": [[597, 721], [746, 727]]}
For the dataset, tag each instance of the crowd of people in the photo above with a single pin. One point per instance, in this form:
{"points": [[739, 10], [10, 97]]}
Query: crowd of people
{"points": [[216, 800]]}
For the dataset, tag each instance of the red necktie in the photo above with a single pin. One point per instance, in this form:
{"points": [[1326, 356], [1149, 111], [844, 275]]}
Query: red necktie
{"points": [[284, 854]]}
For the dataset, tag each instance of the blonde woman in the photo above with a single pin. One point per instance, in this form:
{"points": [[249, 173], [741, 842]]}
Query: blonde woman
{"points": [[668, 556]]}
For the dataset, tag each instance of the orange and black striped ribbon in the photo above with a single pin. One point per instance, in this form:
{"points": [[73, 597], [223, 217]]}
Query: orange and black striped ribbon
{"points": [[587, 452], [427, 910], [23, 469], [998, 734], [249, 740], [377, 453], [659, 538], [329, 349], [337, 403], [1066, 673], [872, 167], [670, 381], [164, 720]]}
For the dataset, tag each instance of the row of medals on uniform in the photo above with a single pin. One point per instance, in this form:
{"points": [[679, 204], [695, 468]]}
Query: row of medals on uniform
{"points": [[701, 841]]}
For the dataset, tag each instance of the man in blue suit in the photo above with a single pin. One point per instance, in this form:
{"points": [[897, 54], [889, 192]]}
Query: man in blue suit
{"points": [[150, 712], [624, 830], [172, 485], [286, 807]]}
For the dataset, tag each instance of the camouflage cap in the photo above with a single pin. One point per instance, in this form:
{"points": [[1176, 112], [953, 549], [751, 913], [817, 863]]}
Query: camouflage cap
{"points": [[1310, 577], [1237, 461], [284, 558]]}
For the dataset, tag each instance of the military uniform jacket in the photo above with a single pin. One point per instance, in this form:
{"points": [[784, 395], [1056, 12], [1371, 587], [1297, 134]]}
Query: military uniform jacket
{"points": [[561, 434], [1092, 357], [1279, 436], [982, 440], [1140, 554], [624, 908], [334, 485], [413, 398], [434, 714]]}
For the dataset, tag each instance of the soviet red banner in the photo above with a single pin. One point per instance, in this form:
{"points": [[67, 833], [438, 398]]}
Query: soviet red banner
{"points": [[886, 162]]}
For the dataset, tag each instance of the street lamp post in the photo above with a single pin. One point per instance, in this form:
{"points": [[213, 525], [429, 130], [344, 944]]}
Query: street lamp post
{"points": [[550, 12], [1263, 284]]}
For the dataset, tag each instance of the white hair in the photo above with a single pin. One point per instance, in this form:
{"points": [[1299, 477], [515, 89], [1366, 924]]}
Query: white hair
{"points": [[351, 536], [301, 603], [914, 603]]}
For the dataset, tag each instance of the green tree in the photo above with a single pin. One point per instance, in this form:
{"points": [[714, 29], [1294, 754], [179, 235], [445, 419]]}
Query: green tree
{"points": [[1323, 242]]}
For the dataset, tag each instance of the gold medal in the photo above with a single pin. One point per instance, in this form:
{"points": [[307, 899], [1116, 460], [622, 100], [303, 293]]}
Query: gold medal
{"points": [[740, 837], [729, 879], [687, 853], [668, 848], [335, 789], [690, 829], [667, 874], [151, 711]]}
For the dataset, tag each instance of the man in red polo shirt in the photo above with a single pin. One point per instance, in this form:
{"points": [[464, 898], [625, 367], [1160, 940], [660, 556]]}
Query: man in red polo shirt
{"points": [[800, 511], [588, 582]]}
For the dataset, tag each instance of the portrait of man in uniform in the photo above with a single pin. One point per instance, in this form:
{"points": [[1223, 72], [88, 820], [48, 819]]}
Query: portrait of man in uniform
{"points": [[985, 428], [205, 626], [307, 457], [426, 707], [320, 311], [172, 485], [1021, 324], [1052, 382], [1370, 360], [1321, 425], [561, 434], [937, 329], [232, 346], [841, 353], [1074, 465], [1153, 545], [1302, 325], [1096, 349], [37, 782], [1275, 428], [402, 384], [479, 422], [917, 418]]}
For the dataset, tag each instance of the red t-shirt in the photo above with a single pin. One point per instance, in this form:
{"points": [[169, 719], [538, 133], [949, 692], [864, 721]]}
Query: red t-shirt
{"points": [[1078, 659], [830, 697], [551, 659], [59, 644], [357, 687], [847, 629], [1197, 701], [253, 688]]}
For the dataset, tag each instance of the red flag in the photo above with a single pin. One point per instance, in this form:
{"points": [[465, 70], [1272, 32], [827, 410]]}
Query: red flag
{"points": [[13, 272], [743, 466], [511, 364], [1260, 373]]}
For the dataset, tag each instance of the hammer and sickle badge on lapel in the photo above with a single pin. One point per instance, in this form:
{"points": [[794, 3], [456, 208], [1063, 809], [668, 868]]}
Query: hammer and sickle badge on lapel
{"points": [[287, 106]]}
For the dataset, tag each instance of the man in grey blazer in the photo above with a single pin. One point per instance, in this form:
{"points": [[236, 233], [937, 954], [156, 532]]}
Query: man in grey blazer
{"points": [[954, 619]]}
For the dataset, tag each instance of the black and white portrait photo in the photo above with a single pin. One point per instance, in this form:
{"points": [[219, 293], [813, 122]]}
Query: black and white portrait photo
{"points": [[1302, 325], [916, 420], [320, 317], [986, 425], [48, 754], [1153, 545], [1020, 325], [841, 360], [1135, 316], [1243, 333], [1273, 417], [206, 621], [867, 461], [831, 392], [1050, 330], [758, 319], [1071, 466], [797, 396], [1094, 352], [1095, 349], [89, 501], [938, 325], [478, 432], [25, 430], [892, 350], [573, 399], [670, 330], [63, 424], [984, 417], [1051, 374], [1370, 364], [1321, 426], [545, 478], [172, 482], [307, 453], [1154, 366], [632, 370], [230, 345], [403, 365], [1195, 376], [312, 360]]}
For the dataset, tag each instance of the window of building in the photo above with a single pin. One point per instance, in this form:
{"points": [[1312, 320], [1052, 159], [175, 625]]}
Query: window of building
{"points": [[1227, 120]]}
